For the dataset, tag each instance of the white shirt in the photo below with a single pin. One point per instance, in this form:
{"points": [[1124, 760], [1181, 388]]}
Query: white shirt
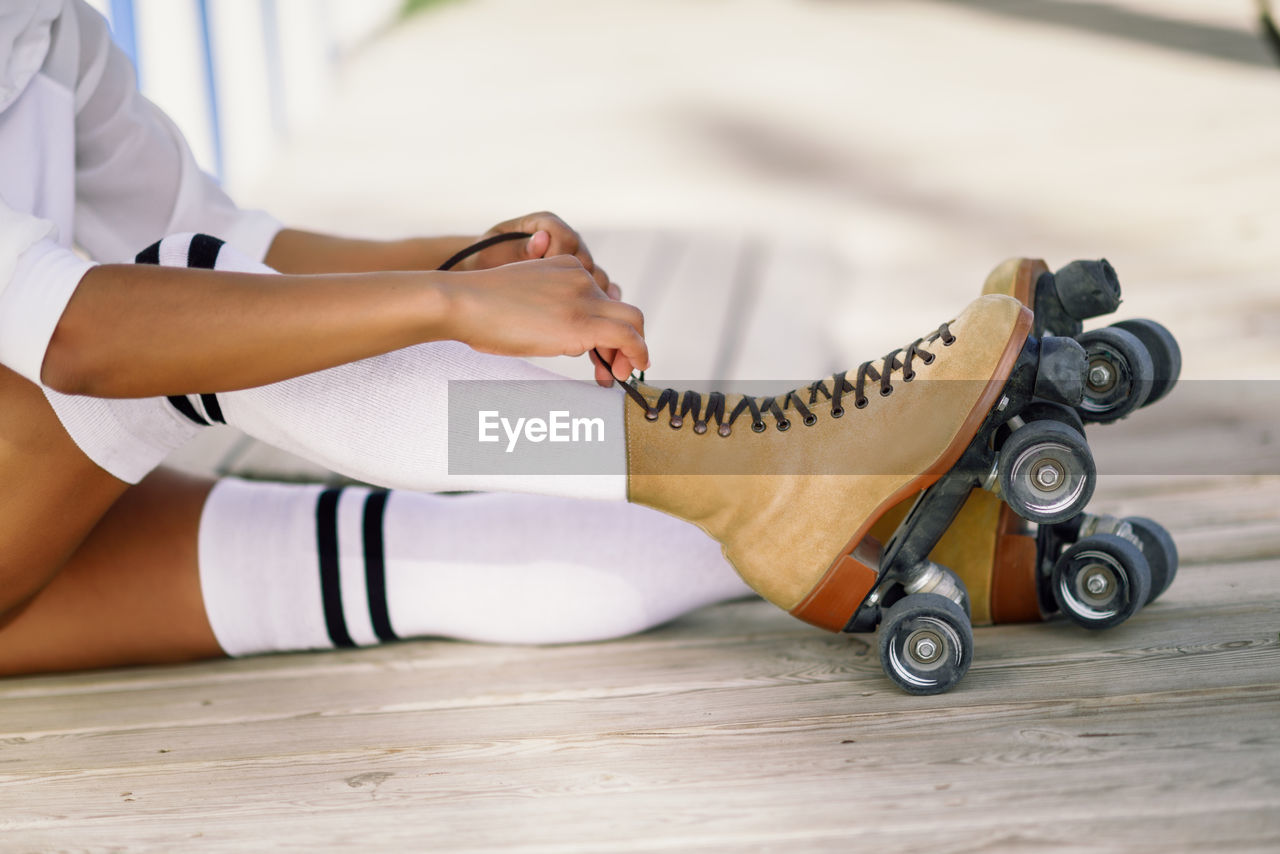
{"points": [[86, 161]]}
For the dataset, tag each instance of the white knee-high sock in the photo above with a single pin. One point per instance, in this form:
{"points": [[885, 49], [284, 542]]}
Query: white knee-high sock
{"points": [[288, 567], [387, 419], [407, 419]]}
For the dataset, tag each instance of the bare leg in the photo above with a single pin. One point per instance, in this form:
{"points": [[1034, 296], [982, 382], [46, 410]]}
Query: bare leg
{"points": [[92, 571], [129, 595]]}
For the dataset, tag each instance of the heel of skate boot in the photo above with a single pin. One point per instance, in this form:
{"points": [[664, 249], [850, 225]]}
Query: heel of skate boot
{"points": [[1087, 289], [846, 590], [1015, 572]]}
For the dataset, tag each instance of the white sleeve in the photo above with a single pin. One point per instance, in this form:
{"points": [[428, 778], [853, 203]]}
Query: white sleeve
{"points": [[37, 278], [136, 179]]}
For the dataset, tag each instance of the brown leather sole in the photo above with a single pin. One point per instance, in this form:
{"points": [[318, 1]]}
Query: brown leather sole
{"points": [[1014, 592]]}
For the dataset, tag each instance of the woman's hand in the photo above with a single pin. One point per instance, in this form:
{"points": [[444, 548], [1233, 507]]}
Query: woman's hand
{"points": [[302, 252], [551, 237], [547, 307]]}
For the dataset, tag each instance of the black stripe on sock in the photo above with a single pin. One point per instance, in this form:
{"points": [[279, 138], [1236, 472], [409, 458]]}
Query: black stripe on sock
{"points": [[150, 255], [212, 408], [203, 251], [330, 578], [180, 403], [375, 568]]}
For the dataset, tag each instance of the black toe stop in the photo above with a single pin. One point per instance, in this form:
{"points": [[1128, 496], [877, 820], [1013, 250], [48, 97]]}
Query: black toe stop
{"points": [[1088, 288]]}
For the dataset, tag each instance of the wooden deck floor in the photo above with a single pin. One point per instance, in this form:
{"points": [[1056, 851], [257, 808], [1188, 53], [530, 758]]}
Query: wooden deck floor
{"points": [[923, 141], [734, 729]]}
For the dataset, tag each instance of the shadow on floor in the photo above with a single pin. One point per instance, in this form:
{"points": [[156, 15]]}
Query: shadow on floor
{"points": [[1239, 46]]}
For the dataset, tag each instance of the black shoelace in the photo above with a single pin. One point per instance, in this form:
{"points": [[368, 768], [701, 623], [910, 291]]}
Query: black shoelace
{"points": [[690, 403]]}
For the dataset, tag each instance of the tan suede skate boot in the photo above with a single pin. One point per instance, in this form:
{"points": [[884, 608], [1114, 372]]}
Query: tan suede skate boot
{"points": [[1004, 562], [791, 485]]}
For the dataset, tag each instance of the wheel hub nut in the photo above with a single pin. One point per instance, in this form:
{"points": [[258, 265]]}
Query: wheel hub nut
{"points": [[1096, 584], [1099, 376], [926, 649], [1047, 476]]}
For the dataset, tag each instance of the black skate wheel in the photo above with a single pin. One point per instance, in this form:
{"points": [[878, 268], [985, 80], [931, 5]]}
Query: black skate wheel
{"points": [[1166, 355], [1101, 581], [926, 643], [1046, 472], [1159, 550], [1040, 410], [1118, 378]]}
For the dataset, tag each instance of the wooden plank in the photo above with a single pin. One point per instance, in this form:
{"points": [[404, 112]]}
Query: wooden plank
{"points": [[1174, 644], [634, 823], [977, 763], [1207, 588]]}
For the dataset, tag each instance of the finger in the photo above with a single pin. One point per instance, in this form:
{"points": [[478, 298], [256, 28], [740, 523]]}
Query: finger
{"points": [[625, 312], [538, 245], [564, 240], [623, 368], [632, 350], [601, 277], [614, 292], [603, 376]]}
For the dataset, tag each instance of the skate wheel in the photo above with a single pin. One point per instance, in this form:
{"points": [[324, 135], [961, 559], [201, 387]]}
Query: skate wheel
{"points": [[1159, 550], [1101, 581], [1043, 410], [926, 643], [1046, 472], [1119, 374], [1166, 356]]}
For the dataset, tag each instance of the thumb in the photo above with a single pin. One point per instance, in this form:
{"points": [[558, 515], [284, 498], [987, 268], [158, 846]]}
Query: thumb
{"points": [[538, 245]]}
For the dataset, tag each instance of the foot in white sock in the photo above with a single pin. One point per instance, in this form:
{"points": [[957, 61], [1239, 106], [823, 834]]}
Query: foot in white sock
{"points": [[286, 567]]}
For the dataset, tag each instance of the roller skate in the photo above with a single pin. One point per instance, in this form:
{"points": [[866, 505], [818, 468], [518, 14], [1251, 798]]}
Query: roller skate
{"points": [[1095, 570], [792, 485]]}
